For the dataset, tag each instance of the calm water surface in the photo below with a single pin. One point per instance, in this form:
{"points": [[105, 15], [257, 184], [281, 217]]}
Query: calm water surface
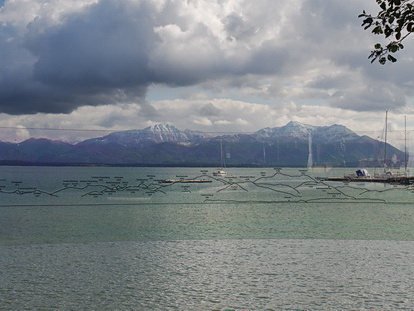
{"points": [[259, 239]]}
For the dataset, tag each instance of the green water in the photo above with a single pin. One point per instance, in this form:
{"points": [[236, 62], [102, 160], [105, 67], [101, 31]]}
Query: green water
{"points": [[55, 205], [258, 239], [205, 221]]}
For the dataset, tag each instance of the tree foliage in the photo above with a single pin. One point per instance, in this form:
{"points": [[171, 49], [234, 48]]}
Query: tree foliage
{"points": [[395, 21]]}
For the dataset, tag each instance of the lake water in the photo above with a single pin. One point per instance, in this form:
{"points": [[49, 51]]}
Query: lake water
{"points": [[95, 238]]}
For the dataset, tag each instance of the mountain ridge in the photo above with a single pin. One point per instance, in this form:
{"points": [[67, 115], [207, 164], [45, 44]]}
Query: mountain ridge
{"points": [[164, 144]]}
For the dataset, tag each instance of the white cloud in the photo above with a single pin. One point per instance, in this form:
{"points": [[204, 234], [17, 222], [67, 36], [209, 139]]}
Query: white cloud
{"points": [[243, 65], [213, 116]]}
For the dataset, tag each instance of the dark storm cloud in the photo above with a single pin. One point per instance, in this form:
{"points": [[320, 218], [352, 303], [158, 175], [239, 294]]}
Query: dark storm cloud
{"points": [[105, 54], [110, 52], [95, 58], [108, 47]]}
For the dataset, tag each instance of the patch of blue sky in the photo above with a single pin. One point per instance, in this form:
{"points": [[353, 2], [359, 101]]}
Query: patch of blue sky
{"points": [[159, 93]]}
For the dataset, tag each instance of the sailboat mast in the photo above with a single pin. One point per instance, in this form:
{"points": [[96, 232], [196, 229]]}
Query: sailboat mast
{"points": [[405, 144], [310, 154], [385, 143], [222, 163]]}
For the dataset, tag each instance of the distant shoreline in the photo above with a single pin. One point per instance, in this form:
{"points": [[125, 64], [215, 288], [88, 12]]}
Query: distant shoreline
{"points": [[59, 164], [205, 165]]}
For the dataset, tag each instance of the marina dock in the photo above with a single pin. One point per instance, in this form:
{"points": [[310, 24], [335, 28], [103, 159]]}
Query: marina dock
{"points": [[400, 180]]}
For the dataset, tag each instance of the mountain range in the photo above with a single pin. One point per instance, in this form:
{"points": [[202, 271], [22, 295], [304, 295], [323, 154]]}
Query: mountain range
{"points": [[165, 145]]}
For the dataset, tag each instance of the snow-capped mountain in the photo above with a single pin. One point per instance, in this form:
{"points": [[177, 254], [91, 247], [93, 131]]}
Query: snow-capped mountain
{"points": [[302, 131], [292, 129], [334, 132], [153, 134], [160, 144]]}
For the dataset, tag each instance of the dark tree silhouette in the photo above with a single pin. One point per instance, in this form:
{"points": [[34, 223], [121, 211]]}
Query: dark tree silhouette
{"points": [[395, 21]]}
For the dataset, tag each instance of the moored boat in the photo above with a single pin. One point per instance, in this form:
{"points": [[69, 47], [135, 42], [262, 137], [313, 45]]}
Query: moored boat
{"points": [[362, 175], [220, 173], [387, 176]]}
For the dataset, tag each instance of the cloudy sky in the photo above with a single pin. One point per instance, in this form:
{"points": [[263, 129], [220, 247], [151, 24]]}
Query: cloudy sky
{"points": [[82, 68]]}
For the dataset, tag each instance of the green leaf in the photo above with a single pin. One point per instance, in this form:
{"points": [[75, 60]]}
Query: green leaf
{"points": [[388, 31], [377, 30], [368, 21], [398, 36], [391, 58], [393, 48]]}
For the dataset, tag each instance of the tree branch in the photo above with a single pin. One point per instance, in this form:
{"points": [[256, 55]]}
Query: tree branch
{"points": [[395, 22]]}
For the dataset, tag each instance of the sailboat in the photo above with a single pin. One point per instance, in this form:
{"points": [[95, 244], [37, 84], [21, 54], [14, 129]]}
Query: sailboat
{"points": [[387, 176], [221, 172], [388, 173]]}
